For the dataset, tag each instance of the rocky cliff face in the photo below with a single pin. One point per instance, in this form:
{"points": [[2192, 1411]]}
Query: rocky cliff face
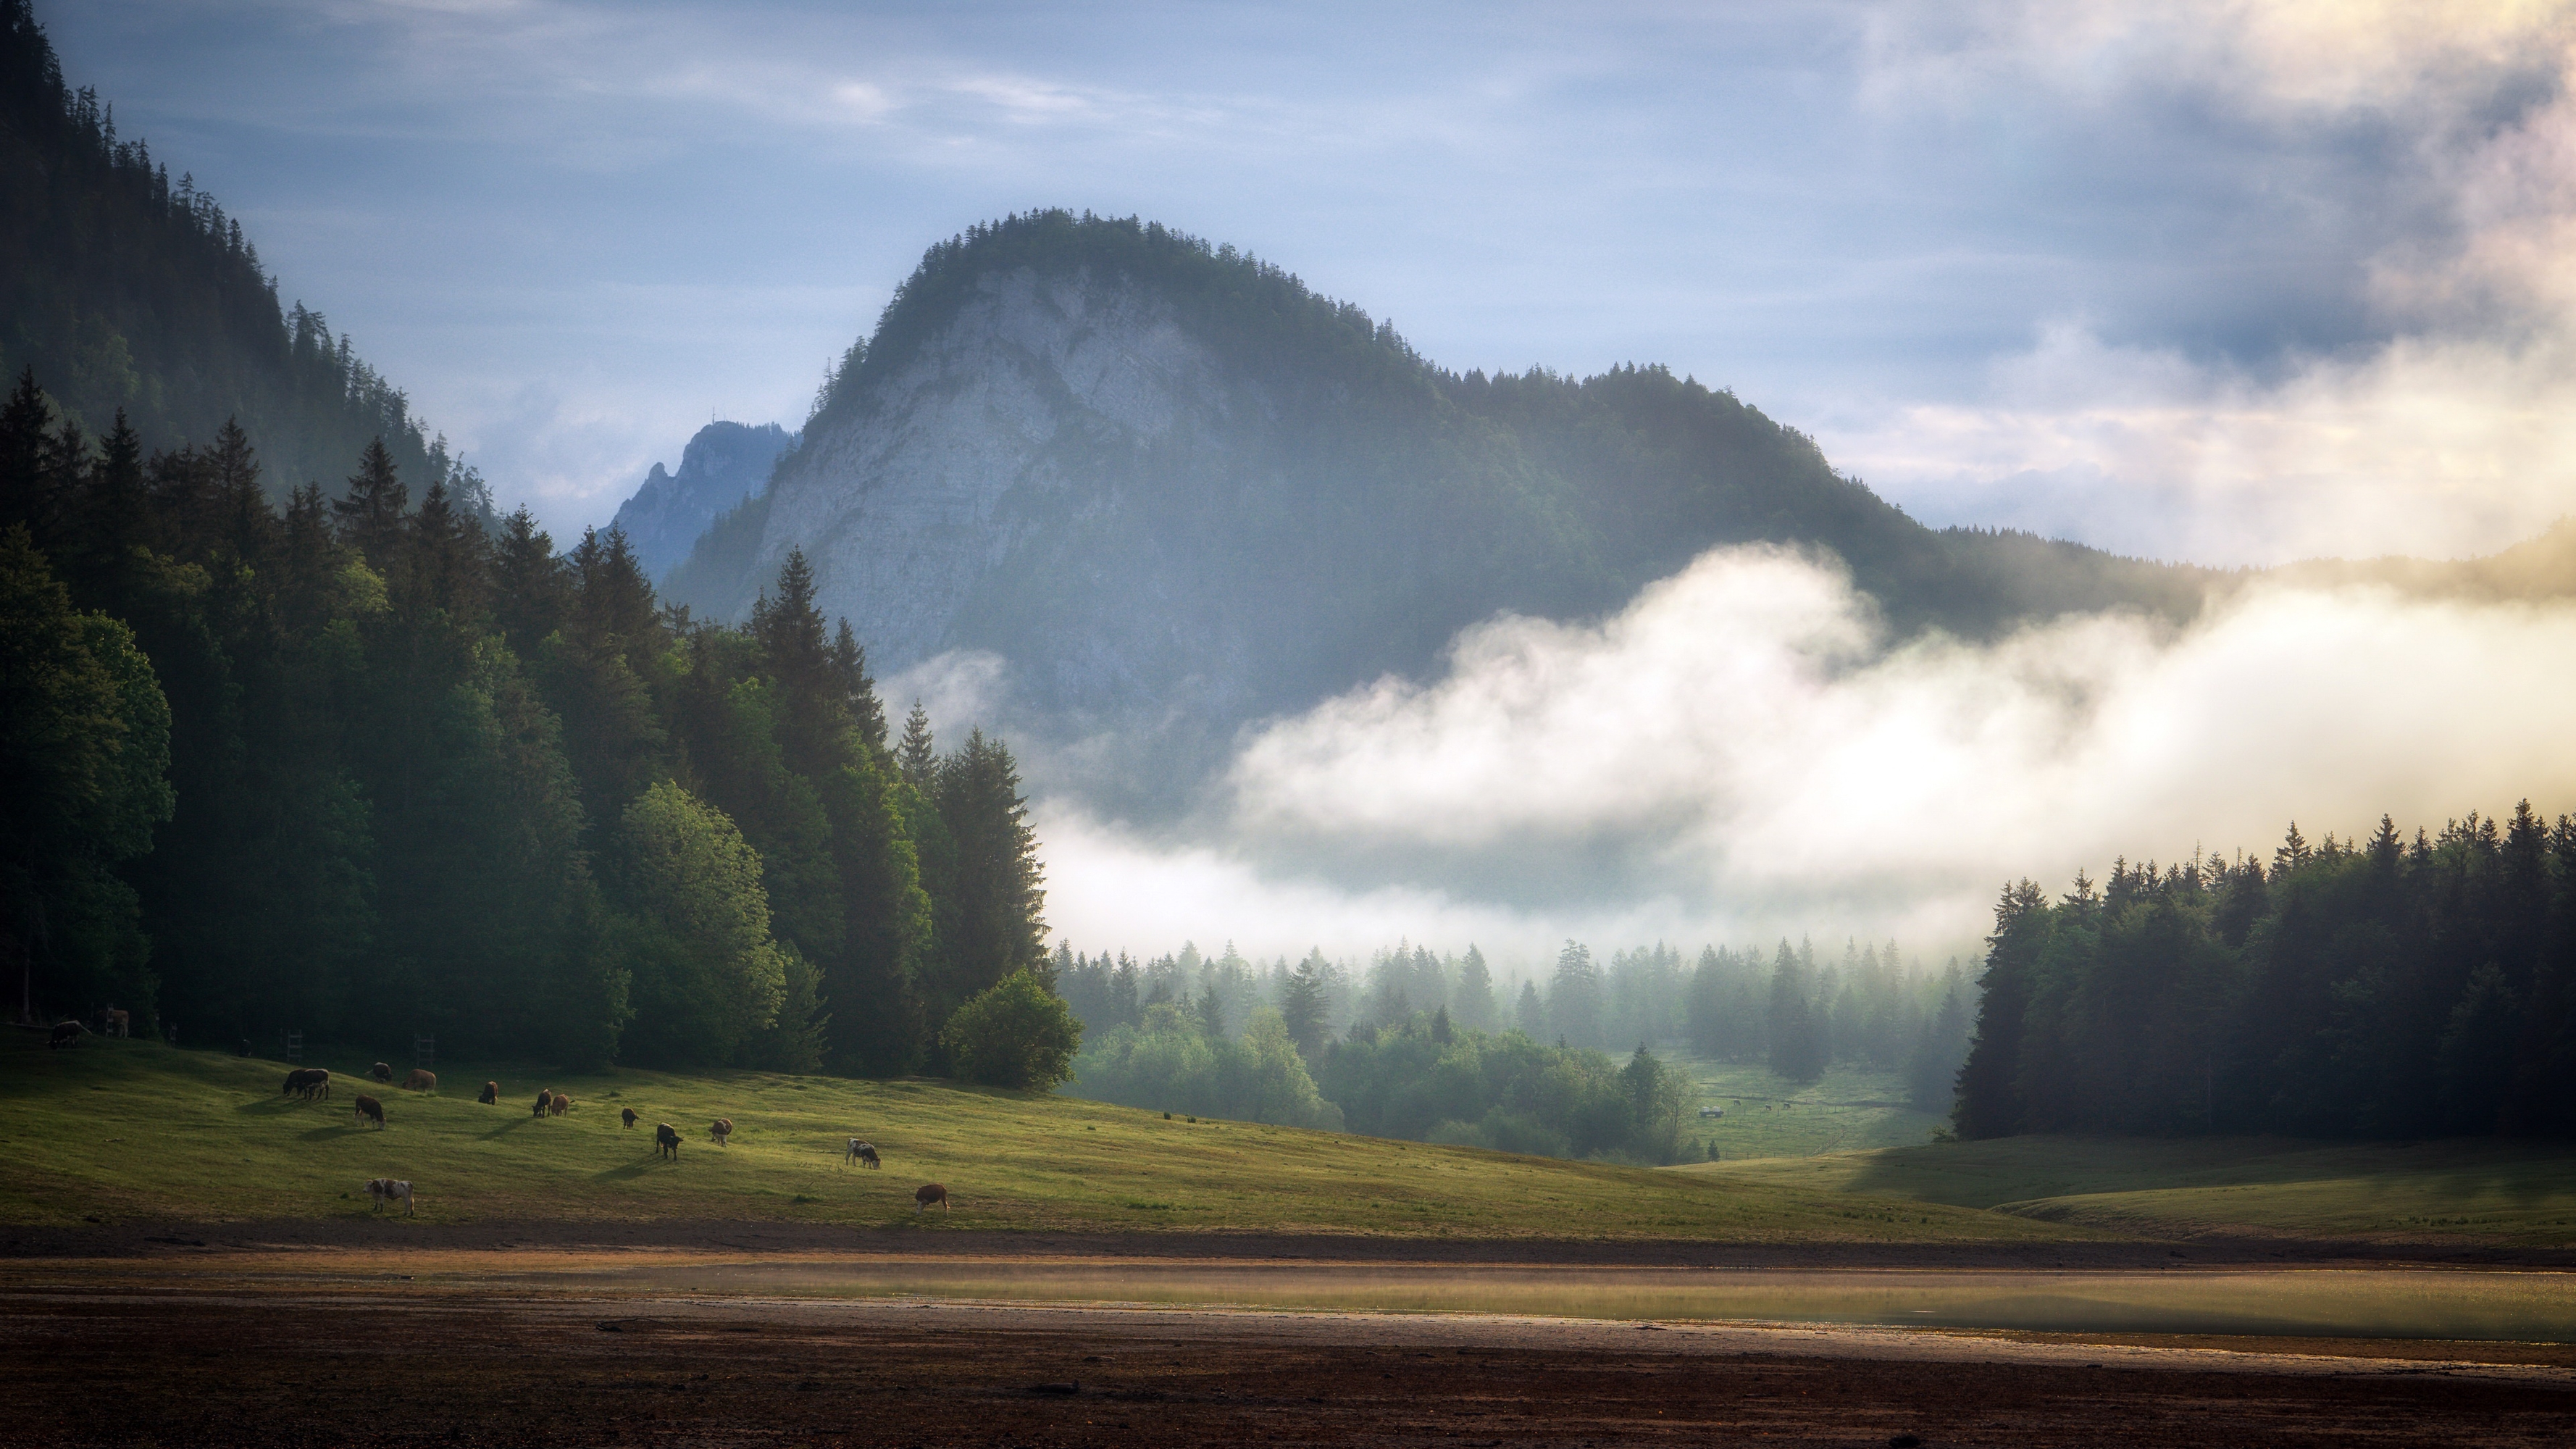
{"points": [[721, 466], [1027, 410]]}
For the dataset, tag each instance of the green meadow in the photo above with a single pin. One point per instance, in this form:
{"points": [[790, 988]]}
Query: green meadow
{"points": [[1849, 1108], [2520, 1194], [133, 1129]]}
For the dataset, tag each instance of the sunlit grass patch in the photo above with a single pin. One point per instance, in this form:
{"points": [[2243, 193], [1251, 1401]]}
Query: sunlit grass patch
{"points": [[2519, 1193], [119, 1129]]}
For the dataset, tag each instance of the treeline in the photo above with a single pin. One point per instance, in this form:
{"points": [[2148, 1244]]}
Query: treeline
{"points": [[128, 290], [2388, 987], [1800, 1017], [422, 778], [1434, 1047]]}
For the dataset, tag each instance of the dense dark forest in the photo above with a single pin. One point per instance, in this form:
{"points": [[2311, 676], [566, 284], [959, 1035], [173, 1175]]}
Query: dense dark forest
{"points": [[2388, 987], [358, 769], [129, 291]]}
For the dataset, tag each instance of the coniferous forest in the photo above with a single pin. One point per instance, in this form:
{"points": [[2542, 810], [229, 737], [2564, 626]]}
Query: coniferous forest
{"points": [[128, 290], [2390, 987], [359, 769]]}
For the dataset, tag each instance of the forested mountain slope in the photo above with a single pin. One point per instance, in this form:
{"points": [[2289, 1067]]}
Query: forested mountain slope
{"points": [[129, 292], [1173, 487]]}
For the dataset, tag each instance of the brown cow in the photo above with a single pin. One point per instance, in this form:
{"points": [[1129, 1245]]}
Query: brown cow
{"points": [[491, 1094], [382, 1072], [421, 1081], [666, 1140], [928, 1193], [561, 1104], [722, 1129], [628, 1114], [369, 1109], [308, 1082], [65, 1034], [113, 1022], [545, 1099]]}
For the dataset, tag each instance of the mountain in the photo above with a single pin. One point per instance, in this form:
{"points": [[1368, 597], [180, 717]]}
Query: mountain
{"points": [[1175, 491], [126, 291], [721, 466]]}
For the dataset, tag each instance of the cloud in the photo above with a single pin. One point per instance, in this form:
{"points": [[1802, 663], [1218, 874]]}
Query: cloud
{"points": [[1750, 757], [2442, 135]]}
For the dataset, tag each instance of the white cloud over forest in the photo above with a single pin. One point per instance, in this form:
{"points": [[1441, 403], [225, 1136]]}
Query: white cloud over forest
{"points": [[1753, 757]]}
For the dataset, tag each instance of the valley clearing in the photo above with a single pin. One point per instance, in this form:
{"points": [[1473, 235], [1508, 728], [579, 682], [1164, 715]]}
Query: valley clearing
{"points": [[190, 1259]]}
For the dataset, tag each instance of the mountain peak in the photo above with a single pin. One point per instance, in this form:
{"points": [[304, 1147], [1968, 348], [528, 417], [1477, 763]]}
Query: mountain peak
{"points": [[722, 464]]}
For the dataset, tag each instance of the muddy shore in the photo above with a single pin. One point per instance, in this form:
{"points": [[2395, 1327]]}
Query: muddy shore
{"points": [[112, 1366]]}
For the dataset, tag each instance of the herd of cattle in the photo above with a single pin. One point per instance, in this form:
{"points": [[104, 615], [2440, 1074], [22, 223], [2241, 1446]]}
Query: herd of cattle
{"points": [[314, 1084]]}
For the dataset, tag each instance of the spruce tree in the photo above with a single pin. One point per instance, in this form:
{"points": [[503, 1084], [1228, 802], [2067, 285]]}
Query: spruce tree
{"points": [[858, 692], [371, 512], [915, 758], [1303, 1007], [992, 924]]}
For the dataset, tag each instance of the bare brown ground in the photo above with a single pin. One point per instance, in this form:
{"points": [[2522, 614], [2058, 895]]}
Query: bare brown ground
{"points": [[152, 1238], [168, 1353]]}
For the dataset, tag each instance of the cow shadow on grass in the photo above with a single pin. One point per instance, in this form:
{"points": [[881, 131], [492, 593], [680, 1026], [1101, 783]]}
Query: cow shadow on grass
{"points": [[506, 1128], [337, 1129], [279, 1106], [637, 1168]]}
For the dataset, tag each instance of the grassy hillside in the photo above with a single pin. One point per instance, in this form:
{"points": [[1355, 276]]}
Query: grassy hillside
{"points": [[2522, 1194], [139, 1129]]}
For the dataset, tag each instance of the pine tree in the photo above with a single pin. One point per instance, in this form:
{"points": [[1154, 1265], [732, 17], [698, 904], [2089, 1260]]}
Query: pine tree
{"points": [[992, 924], [915, 758], [1303, 1007], [1475, 992], [237, 506], [1574, 996], [114, 513], [858, 691], [371, 513], [530, 593], [25, 490]]}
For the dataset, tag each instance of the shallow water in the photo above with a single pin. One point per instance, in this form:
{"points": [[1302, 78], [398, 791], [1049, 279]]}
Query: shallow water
{"points": [[2343, 1303]]}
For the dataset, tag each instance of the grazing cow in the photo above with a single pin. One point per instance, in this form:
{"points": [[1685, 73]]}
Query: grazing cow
{"points": [[666, 1140], [491, 1094], [309, 1082], [627, 1114], [545, 1099], [65, 1034], [382, 1072], [928, 1193], [861, 1152], [369, 1109], [560, 1105], [421, 1081], [387, 1189], [113, 1022], [722, 1129]]}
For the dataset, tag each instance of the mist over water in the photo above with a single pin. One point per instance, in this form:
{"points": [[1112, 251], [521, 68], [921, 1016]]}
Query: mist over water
{"points": [[1743, 753]]}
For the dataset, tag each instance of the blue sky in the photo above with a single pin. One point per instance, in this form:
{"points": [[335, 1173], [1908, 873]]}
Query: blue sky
{"points": [[2231, 281]]}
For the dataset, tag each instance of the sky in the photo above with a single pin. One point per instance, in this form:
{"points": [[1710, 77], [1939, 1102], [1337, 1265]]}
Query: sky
{"points": [[2231, 281], [2223, 280]]}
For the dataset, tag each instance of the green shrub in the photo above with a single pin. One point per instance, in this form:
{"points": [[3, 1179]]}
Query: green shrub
{"points": [[1016, 1033]]}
